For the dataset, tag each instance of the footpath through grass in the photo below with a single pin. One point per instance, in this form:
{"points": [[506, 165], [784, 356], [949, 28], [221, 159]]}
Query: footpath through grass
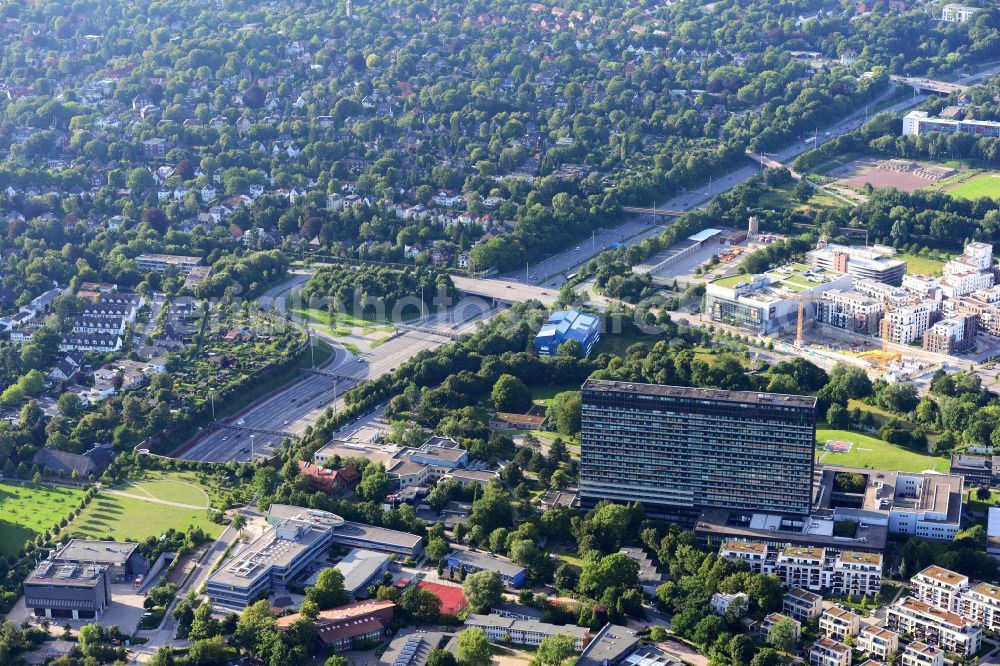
{"points": [[123, 519], [28, 509], [876, 454]]}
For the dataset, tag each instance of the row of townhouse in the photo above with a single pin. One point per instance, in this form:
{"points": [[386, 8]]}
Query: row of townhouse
{"points": [[844, 573]]}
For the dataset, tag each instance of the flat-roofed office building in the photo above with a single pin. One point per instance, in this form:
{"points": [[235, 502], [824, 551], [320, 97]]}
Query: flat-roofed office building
{"points": [[65, 590], [679, 450]]}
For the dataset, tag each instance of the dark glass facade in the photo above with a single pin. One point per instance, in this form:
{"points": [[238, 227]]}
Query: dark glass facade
{"points": [[679, 450]]}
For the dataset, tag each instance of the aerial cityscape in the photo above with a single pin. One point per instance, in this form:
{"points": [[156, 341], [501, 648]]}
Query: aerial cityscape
{"points": [[351, 333]]}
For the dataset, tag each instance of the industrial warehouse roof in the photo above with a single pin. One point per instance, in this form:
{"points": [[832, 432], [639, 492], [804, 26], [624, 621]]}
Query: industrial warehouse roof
{"points": [[109, 552]]}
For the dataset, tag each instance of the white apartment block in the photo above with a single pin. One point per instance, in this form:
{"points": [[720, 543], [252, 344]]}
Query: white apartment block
{"points": [[849, 310], [857, 573], [956, 13], [811, 569], [936, 627], [775, 618], [754, 554], [921, 654], [828, 652], [802, 605], [877, 642], [905, 324], [981, 604], [969, 272], [939, 587], [801, 567], [964, 283], [839, 623], [886, 293], [722, 602]]}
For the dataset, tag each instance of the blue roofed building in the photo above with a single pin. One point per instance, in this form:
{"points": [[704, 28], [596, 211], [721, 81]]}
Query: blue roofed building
{"points": [[566, 325]]}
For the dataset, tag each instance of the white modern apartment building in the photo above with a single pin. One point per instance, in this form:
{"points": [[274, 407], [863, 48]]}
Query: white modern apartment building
{"points": [[905, 324], [920, 122], [936, 627], [828, 652], [981, 604], [956, 13], [922, 654], [811, 569], [839, 623], [939, 587], [877, 642]]}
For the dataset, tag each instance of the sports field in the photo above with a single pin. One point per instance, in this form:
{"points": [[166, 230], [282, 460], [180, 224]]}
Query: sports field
{"points": [[875, 454], [984, 185], [28, 509]]}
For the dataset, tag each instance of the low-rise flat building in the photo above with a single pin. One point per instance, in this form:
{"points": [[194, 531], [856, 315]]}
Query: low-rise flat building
{"points": [[65, 590], [526, 632], [828, 652], [802, 605], [721, 603], [341, 627], [939, 587], [565, 325], [939, 628], [269, 562], [922, 654], [414, 648], [981, 604], [160, 262], [361, 569], [977, 470], [350, 534], [122, 558], [877, 263], [839, 623], [512, 575], [877, 642]]}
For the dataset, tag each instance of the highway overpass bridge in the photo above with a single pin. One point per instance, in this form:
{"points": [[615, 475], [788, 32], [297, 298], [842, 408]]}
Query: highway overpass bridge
{"points": [[653, 211], [502, 291], [930, 85]]}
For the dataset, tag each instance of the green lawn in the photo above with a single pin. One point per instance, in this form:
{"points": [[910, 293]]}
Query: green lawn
{"points": [[544, 394], [28, 509], [986, 184], [918, 265], [183, 488], [122, 518], [876, 454], [977, 504]]}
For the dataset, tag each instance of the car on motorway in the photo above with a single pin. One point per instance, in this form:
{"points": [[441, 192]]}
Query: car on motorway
{"points": [[285, 423], [241, 422]]}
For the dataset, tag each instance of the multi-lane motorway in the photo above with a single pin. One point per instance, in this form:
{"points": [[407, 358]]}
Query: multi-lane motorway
{"points": [[552, 271], [301, 403]]}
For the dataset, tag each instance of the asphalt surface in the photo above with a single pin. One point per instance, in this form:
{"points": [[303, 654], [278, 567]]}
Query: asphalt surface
{"points": [[552, 271], [299, 405]]}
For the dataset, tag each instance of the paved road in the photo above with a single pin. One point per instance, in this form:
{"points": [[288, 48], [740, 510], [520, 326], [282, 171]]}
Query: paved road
{"points": [[302, 403], [165, 634], [552, 271]]}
